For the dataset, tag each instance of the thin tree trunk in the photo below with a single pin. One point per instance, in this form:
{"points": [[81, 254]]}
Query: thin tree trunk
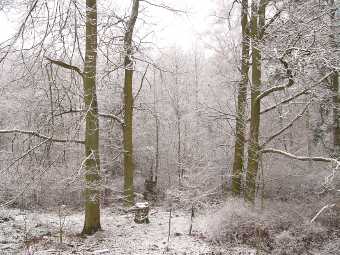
{"points": [[257, 23], [309, 137], [241, 106], [179, 149], [92, 163], [128, 107], [155, 98]]}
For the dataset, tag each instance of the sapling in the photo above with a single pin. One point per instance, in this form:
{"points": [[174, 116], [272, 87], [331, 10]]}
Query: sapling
{"points": [[191, 219], [62, 218]]}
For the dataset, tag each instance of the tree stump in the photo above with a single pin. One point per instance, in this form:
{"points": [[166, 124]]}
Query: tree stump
{"points": [[142, 213]]}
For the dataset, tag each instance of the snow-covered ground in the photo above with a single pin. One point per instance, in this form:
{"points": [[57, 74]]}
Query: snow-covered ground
{"points": [[24, 232]]}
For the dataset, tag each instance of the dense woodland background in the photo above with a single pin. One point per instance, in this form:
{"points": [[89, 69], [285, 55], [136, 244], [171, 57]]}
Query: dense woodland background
{"points": [[244, 125]]}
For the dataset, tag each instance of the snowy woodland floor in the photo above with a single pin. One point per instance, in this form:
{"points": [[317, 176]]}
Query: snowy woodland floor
{"points": [[25, 232]]}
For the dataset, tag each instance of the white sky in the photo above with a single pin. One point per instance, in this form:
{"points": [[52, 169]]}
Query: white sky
{"points": [[171, 29], [183, 30]]}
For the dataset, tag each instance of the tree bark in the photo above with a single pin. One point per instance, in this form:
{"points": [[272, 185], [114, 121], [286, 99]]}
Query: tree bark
{"points": [[241, 119], [128, 107], [92, 163]]}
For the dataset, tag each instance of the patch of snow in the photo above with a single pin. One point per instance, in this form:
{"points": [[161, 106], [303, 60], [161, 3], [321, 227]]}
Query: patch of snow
{"points": [[39, 233]]}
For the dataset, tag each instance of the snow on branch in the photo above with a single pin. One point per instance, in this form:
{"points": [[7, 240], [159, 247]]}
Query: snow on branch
{"points": [[36, 134], [301, 158]]}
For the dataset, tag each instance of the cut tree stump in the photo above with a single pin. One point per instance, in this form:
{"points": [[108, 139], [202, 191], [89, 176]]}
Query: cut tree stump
{"points": [[142, 213]]}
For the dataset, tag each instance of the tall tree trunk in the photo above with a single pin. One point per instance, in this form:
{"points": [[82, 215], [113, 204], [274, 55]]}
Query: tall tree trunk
{"points": [[241, 105], [128, 106], [92, 163], [335, 14], [257, 23]]}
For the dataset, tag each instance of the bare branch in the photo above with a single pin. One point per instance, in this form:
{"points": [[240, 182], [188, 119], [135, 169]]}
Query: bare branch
{"points": [[142, 81], [36, 134], [271, 21], [103, 115], [305, 91], [287, 126], [163, 6], [24, 155], [64, 65]]}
